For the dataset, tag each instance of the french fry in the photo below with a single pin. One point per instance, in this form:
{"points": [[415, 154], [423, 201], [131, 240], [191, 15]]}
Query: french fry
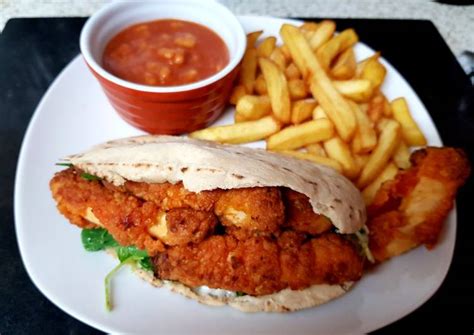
{"points": [[365, 138], [345, 65], [376, 107], [285, 52], [388, 173], [292, 72], [309, 26], [364, 107], [297, 89], [307, 34], [318, 113], [252, 107], [387, 109], [374, 71], [277, 88], [382, 123], [316, 149], [278, 58], [355, 144], [338, 150], [401, 156], [361, 64], [302, 110], [329, 50], [358, 90], [293, 40], [237, 93], [252, 38], [361, 160], [267, 46], [387, 143], [242, 132], [298, 136], [335, 106], [260, 85], [314, 158], [411, 133], [248, 70], [326, 29]]}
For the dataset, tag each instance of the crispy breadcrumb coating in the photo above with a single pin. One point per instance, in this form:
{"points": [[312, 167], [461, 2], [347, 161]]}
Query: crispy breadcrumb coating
{"points": [[300, 215], [185, 225], [256, 209], [128, 218], [261, 265], [169, 196], [410, 210]]}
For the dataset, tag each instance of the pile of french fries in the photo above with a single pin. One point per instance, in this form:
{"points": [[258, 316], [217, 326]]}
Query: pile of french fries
{"points": [[309, 98]]}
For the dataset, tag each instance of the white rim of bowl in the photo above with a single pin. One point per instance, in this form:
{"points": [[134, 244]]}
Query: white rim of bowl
{"points": [[233, 61]]}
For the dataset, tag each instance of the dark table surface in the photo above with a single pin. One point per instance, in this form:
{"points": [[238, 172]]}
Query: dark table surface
{"points": [[34, 51]]}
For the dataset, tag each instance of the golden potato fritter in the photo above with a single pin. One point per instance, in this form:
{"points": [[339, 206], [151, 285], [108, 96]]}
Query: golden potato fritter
{"points": [[410, 210], [261, 265], [300, 215], [257, 209]]}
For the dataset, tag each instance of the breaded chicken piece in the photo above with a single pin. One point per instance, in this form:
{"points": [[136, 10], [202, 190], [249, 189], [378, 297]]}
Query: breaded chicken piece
{"points": [[130, 220], [336, 260], [296, 260], [410, 210], [257, 209], [74, 204], [261, 265], [183, 225], [125, 217], [169, 196], [327, 259], [300, 215], [249, 266]]}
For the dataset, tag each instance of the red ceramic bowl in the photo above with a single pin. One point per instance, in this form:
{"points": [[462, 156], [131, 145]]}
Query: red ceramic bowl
{"points": [[164, 109]]}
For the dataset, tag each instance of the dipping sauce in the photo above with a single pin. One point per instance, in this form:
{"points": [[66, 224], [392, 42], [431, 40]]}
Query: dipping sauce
{"points": [[165, 53]]}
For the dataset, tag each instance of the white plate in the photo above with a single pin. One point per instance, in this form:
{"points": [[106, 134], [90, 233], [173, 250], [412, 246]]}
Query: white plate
{"points": [[74, 115]]}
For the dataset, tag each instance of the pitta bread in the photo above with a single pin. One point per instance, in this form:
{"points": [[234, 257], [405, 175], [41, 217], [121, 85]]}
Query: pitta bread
{"points": [[286, 300], [203, 165]]}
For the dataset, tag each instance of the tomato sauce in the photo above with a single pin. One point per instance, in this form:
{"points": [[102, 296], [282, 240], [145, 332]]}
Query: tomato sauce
{"points": [[165, 53]]}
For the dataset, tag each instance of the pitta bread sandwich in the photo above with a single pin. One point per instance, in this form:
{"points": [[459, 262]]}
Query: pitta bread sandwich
{"points": [[221, 224]]}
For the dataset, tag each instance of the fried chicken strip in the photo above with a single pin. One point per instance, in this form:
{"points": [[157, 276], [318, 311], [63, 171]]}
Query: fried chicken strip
{"points": [[183, 225], [170, 196], [258, 209], [300, 215], [129, 219], [261, 265], [410, 210]]}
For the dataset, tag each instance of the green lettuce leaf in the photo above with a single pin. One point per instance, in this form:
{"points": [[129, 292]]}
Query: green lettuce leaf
{"points": [[96, 239], [88, 176]]}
